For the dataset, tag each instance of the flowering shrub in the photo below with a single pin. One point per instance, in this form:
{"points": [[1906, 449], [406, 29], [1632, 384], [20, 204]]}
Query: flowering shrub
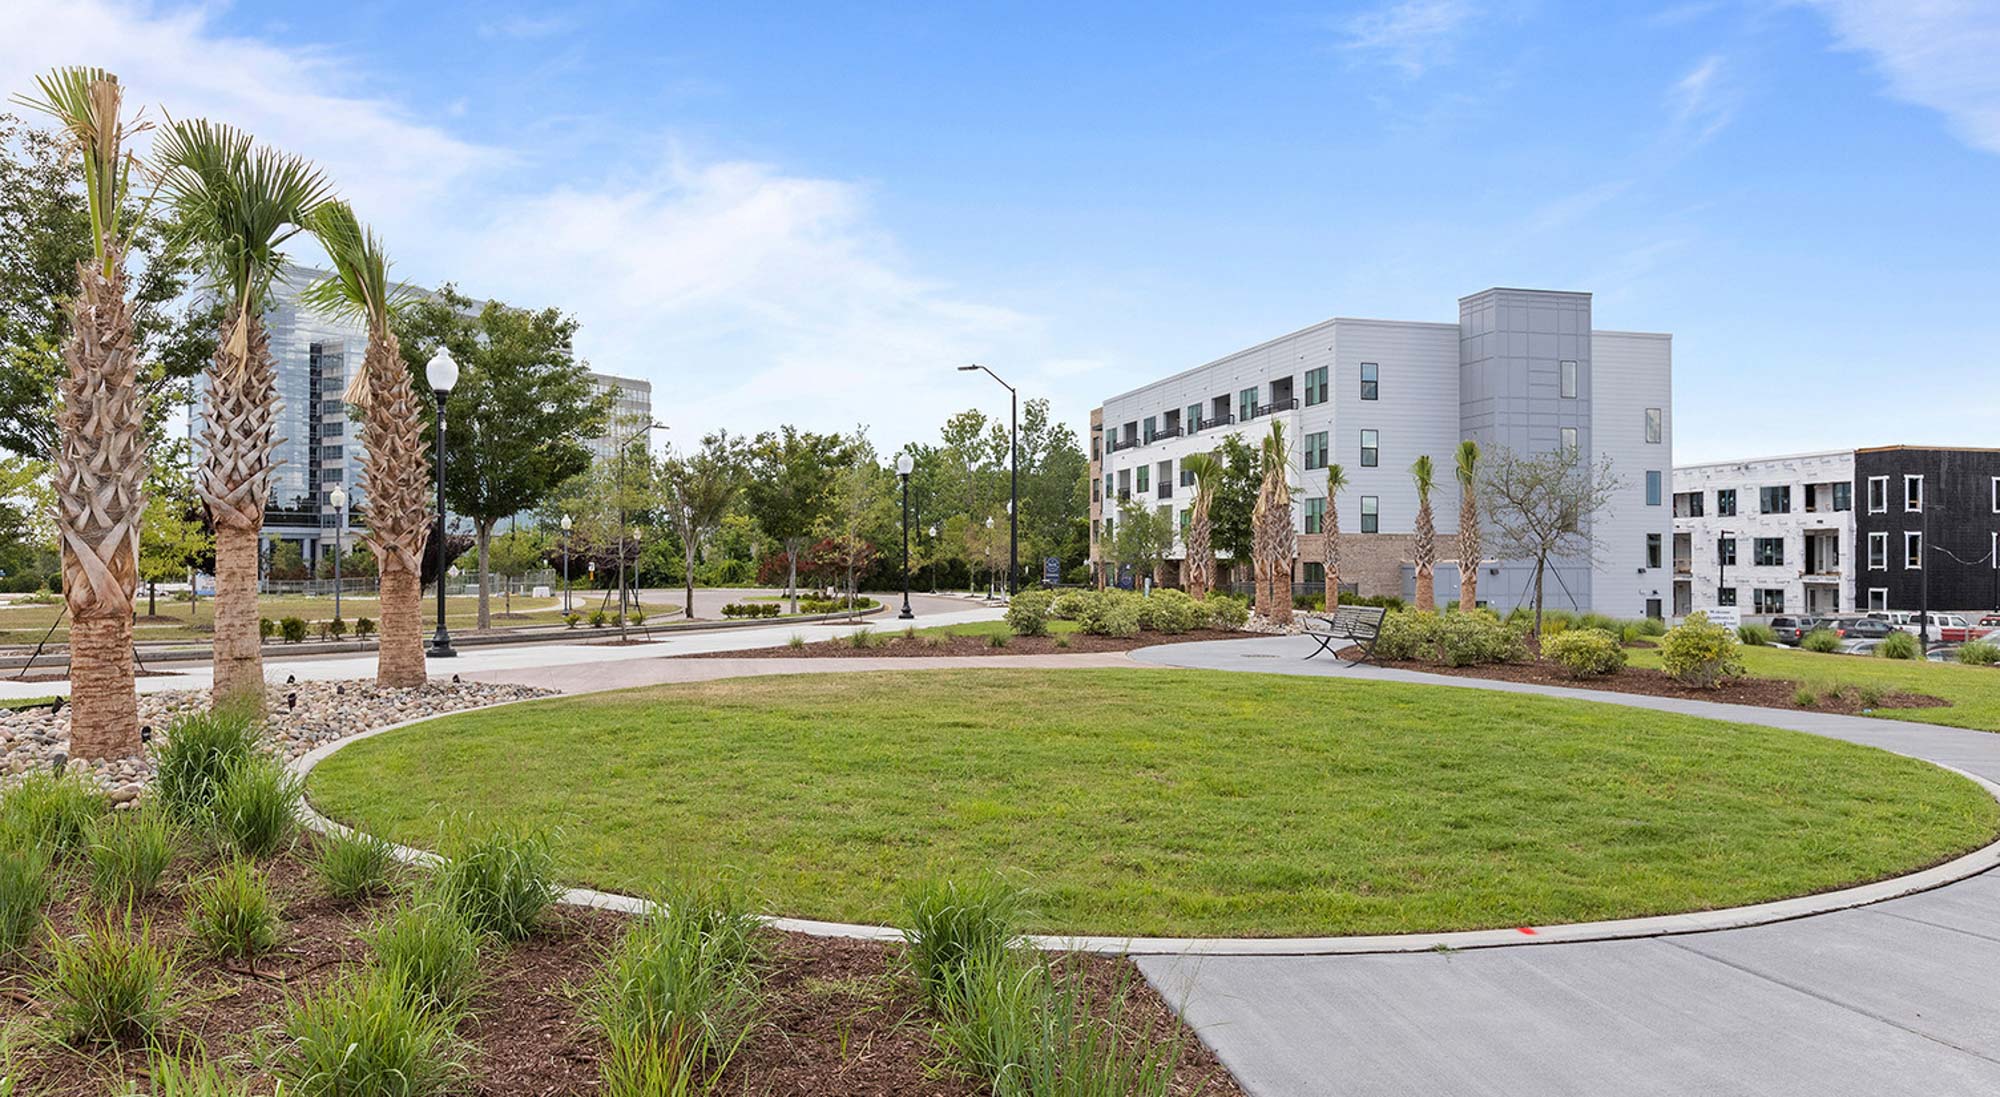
{"points": [[1585, 652], [1454, 639], [1028, 613], [1701, 654], [1172, 611], [1227, 612]]}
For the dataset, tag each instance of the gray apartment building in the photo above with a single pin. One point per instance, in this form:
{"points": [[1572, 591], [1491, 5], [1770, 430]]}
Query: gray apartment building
{"points": [[1520, 369]]}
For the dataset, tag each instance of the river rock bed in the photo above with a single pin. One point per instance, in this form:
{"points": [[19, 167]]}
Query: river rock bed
{"points": [[302, 716]]}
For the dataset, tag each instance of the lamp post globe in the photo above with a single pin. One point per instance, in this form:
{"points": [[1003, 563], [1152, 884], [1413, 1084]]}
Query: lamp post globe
{"points": [[905, 464], [442, 374], [338, 497]]}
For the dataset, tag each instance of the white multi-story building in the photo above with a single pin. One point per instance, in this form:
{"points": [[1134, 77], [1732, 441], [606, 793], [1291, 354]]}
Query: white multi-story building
{"points": [[1770, 535], [1521, 369], [631, 411]]}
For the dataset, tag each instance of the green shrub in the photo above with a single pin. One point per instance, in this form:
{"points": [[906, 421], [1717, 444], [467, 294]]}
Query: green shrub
{"points": [[364, 627], [861, 638], [1585, 652], [598, 618], [1030, 1030], [795, 641], [1756, 635], [24, 890], [947, 926], [1069, 605], [231, 913], [1227, 612], [188, 1073], [1454, 639], [1979, 653], [1028, 613], [293, 629], [499, 878], [1172, 611], [354, 864], [336, 628], [431, 950], [1804, 697], [129, 853], [1899, 645], [571, 620], [678, 995], [997, 640], [1062, 641], [266, 628], [1699, 653], [1822, 640], [256, 811], [111, 982], [1870, 696], [365, 1035], [200, 750], [1110, 613], [53, 812], [1652, 626]]}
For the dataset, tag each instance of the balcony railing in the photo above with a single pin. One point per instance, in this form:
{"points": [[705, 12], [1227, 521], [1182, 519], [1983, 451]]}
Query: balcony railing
{"points": [[1290, 403], [1123, 443]]}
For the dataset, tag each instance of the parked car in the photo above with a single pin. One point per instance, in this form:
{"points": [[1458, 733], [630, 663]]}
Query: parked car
{"points": [[1944, 628], [1866, 628], [1790, 630]]}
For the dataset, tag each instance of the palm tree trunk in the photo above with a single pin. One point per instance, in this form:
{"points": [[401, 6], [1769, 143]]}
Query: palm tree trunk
{"points": [[1468, 551], [239, 649], [1426, 591], [99, 477], [399, 659]]}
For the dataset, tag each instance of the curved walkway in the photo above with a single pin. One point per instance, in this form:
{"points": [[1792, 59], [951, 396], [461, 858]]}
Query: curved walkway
{"points": [[1890, 999]]}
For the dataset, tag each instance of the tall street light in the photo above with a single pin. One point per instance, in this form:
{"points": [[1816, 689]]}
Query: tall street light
{"points": [[1014, 474], [442, 373], [339, 500], [904, 466], [638, 543], [565, 531], [930, 562]]}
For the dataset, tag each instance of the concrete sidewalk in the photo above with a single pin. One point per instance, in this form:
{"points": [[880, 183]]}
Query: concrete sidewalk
{"points": [[1892, 999]]}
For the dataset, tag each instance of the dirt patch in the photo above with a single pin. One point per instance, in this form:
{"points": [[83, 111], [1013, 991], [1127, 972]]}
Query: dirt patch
{"points": [[896, 644], [840, 1017], [1762, 692]]}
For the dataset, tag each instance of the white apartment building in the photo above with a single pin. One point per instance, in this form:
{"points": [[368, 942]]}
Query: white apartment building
{"points": [[1769, 535], [1520, 369], [631, 410]]}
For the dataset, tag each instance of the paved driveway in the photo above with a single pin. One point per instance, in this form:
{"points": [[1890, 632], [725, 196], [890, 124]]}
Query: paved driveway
{"points": [[1899, 998]]}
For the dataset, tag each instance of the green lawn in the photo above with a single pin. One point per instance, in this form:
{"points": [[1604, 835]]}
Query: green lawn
{"points": [[1170, 802], [26, 624], [987, 628], [1974, 692]]}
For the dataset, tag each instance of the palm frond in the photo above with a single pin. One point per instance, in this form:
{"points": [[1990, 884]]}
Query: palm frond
{"points": [[1468, 462], [1336, 478], [236, 201], [1425, 475], [359, 285], [85, 101]]}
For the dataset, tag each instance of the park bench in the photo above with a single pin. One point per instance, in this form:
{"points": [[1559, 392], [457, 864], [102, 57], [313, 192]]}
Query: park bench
{"points": [[1358, 625]]}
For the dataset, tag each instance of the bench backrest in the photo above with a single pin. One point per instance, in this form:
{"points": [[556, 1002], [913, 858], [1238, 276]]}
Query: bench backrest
{"points": [[1358, 618]]}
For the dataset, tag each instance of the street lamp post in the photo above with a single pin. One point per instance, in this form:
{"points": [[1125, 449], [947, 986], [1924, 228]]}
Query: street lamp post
{"points": [[1013, 474], [638, 542], [989, 557], [565, 533], [904, 466], [442, 373], [339, 500], [930, 562]]}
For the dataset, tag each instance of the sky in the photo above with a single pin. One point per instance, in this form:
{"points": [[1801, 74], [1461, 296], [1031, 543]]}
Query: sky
{"points": [[812, 213]]}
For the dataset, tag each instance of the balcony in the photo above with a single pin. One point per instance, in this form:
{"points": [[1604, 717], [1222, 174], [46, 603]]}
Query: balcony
{"points": [[1123, 443], [1683, 566], [1289, 403], [1166, 432]]}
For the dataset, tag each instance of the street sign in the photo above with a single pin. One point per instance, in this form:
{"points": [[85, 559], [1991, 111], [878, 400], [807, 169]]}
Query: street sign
{"points": [[1052, 570]]}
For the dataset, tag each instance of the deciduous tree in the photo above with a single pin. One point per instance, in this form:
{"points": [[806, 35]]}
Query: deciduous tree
{"points": [[1541, 505]]}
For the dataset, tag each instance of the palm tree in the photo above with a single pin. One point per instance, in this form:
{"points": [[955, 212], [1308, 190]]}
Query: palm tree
{"points": [[1275, 537], [1424, 550], [1207, 473], [100, 460], [395, 461], [236, 204], [1468, 525], [1336, 479]]}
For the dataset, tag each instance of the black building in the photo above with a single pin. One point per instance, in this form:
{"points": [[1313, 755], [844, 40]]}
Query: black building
{"points": [[1927, 517]]}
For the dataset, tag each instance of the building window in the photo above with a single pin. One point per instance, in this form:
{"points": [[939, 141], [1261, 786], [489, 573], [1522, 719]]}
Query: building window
{"points": [[1166, 479], [1096, 492], [1371, 449], [1187, 476], [1687, 504], [1725, 503], [1878, 551], [1767, 552], [1314, 572], [1569, 441], [1316, 514], [1653, 425], [1878, 598], [1652, 550], [1568, 379], [1097, 447], [1843, 496], [1913, 494], [1371, 521], [1316, 450], [1774, 500], [1725, 551], [1371, 381], [1145, 478], [1193, 419], [1246, 403], [1152, 428], [1878, 495], [1913, 550], [1316, 386], [1767, 601], [1653, 487], [1125, 484], [1725, 596]]}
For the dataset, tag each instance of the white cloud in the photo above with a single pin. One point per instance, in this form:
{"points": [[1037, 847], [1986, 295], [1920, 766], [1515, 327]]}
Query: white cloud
{"points": [[1411, 35], [749, 295], [524, 26], [1938, 54], [1702, 102]]}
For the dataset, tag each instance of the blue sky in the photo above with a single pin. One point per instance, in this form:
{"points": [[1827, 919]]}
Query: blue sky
{"points": [[810, 213]]}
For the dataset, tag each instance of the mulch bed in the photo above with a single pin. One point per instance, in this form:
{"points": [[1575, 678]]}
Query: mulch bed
{"points": [[1762, 692], [896, 644], [840, 1018]]}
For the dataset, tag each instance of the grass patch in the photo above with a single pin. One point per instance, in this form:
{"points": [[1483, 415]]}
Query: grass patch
{"points": [[231, 913], [992, 628], [1171, 802], [1974, 692]]}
